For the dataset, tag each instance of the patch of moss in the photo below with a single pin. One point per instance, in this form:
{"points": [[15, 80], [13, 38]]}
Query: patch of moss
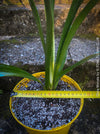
{"points": [[83, 84], [36, 34], [11, 41], [1, 91], [31, 34], [90, 36], [14, 41]]}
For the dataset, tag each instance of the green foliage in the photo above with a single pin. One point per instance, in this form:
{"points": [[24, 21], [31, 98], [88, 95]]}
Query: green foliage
{"points": [[37, 18], [74, 66], [54, 68], [6, 70], [1, 91]]}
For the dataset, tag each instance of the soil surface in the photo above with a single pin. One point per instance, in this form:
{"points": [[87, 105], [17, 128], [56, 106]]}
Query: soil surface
{"points": [[19, 21], [45, 114]]}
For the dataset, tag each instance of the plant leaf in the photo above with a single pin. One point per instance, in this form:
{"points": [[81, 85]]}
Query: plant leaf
{"points": [[53, 4], [71, 15], [50, 44], [6, 70], [71, 33], [1, 92], [74, 66], [38, 22]]}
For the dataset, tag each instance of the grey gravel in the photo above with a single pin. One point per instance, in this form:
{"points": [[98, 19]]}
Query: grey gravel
{"points": [[32, 52]]}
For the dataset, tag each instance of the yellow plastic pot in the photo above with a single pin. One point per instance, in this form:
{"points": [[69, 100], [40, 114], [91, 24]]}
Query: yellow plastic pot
{"points": [[58, 130]]}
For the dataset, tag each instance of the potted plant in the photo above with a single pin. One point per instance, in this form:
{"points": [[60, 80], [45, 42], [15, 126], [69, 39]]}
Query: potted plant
{"points": [[53, 66]]}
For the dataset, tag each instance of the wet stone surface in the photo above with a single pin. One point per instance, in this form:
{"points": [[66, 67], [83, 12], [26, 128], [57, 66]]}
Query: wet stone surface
{"points": [[32, 52], [45, 114]]}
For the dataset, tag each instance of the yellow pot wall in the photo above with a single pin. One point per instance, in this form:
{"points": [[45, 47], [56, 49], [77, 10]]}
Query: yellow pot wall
{"points": [[64, 129]]}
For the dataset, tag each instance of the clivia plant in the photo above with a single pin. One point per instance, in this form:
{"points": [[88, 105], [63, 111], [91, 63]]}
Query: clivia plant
{"points": [[54, 66]]}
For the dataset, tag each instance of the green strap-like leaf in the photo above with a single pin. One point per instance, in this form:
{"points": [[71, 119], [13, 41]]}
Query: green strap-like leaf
{"points": [[50, 44], [74, 66], [38, 22], [6, 70], [53, 4], [71, 15], [71, 33]]}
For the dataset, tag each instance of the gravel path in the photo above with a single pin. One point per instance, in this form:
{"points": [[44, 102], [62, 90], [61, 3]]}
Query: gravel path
{"points": [[32, 52]]}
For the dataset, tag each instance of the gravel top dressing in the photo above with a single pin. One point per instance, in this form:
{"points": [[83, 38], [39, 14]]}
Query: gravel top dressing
{"points": [[44, 113]]}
